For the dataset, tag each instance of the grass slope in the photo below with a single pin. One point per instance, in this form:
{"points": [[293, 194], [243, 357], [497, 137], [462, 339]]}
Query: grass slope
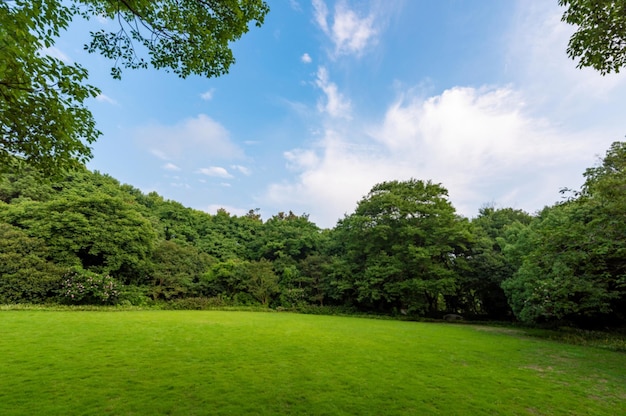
{"points": [[234, 363]]}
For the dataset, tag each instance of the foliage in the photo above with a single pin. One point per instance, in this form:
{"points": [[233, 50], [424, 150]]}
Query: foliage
{"points": [[486, 265], [402, 243], [26, 275], [573, 264], [187, 37], [600, 39], [43, 117], [177, 268], [97, 232], [403, 251], [262, 281], [84, 287]]}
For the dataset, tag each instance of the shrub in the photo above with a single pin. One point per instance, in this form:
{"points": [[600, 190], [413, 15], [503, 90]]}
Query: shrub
{"points": [[80, 287]]}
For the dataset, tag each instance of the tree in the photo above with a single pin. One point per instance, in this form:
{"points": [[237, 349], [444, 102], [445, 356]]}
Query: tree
{"points": [[600, 39], [98, 232], [262, 281], [401, 244], [573, 264], [486, 265], [177, 269], [26, 275], [43, 117]]}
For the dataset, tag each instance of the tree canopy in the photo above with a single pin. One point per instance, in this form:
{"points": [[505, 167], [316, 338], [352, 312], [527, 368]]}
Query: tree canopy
{"points": [[44, 120], [600, 38], [404, 250]]}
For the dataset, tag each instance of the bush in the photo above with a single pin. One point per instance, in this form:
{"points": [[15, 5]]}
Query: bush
{"points": [[131, 295], [82, 287], [26, 276]]}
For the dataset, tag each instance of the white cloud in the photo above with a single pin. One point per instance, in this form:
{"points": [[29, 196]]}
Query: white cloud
{"points": [[350, 33], [215, 171], [513, 144], [105, 99], [208, 95], [242, 169], [320, 11], [171, 167], [295, 5], [537, 60], [191, 141], [55, 52], [479, 143], [213, 208], [335, 105], [306, 58]]}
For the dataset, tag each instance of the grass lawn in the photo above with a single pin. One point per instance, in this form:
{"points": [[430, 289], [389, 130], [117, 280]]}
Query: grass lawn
{"points": [[235, 363]]}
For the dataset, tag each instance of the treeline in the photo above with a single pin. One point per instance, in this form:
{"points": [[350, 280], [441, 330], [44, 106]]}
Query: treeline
{"points": [[87, 239]]}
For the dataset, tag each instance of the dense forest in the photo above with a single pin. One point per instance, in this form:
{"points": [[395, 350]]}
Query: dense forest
{"points": [[87, 239]]}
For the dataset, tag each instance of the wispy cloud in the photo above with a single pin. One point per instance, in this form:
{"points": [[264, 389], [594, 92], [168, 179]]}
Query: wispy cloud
{"points": [[295, 5], [242, 169], [349, 32], [306, 58], [57, 53], [105, 99], [215, 171], [192, 141], [171, 167], [335, 104], [537, 60], [512, 144], [208, 95]]}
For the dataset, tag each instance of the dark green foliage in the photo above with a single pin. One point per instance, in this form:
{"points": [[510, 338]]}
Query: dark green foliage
{"points": [[262, 282], [486, 265], [96, 232], [403, 251], [401, 244], [177, 270], [26, 275], [573, 264]]}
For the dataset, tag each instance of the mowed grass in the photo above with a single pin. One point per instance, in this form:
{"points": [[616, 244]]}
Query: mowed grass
{"points": [[238, 363]]}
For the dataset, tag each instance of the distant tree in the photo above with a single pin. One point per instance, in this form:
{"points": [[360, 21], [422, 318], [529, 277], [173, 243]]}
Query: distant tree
{"points": [[97, 232], [43, 117], [177, 270], [600, 39], [262, 281], [486, 265]]}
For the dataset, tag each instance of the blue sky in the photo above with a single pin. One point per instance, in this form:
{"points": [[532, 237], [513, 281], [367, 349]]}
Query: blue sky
{"points": [[329, 98]]}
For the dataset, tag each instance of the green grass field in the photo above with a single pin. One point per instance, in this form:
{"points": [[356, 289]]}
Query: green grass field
{"points": [[235, 363]]}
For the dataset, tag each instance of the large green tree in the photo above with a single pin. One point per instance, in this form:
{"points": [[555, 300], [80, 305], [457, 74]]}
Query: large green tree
{"points": [[44, 119], [600, 38], [401, 244], [573, 256]]}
